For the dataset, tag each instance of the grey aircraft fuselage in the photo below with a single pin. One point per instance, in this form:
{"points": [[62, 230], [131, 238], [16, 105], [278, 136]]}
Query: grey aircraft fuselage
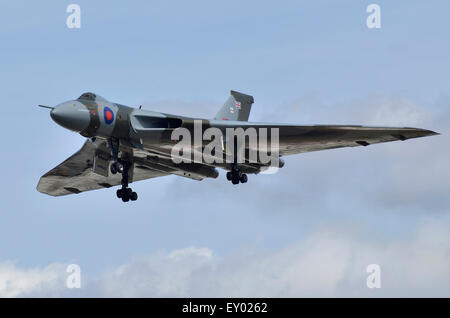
{"points": [[104, 119]]}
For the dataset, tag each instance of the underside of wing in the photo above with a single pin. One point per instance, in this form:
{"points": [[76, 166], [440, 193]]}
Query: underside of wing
{"points": [[300, 139], [88, 170]]}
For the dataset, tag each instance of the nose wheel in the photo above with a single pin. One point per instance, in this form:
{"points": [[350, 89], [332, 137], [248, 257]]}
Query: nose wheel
{"points": [[116, 167]]}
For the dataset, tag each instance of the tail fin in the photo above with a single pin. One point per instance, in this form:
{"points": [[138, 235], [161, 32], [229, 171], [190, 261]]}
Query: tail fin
{"points": [[237, 107]]}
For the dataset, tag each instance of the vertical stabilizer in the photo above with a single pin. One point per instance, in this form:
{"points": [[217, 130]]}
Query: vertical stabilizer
{"points": [[237, 107]]}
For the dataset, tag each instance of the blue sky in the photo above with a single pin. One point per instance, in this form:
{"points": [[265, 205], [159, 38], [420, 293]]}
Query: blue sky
{"points": [[311, 62]]}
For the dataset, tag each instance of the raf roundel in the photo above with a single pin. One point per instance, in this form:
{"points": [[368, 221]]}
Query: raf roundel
{"points": [[109, 115]]}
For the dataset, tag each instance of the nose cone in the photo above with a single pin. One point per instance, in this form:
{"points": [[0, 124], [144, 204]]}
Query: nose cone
{"points": [[71, 115]]}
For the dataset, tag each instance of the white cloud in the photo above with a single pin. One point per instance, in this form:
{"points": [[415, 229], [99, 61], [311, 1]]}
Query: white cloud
{"points": [[17, 282], [160, 275], [329, 263]]}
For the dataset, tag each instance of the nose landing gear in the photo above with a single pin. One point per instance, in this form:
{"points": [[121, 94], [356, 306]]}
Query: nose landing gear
{"points": [[116, 166]]}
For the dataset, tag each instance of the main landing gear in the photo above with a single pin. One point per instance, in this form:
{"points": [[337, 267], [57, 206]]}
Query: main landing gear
{"points": [[123, 167], [236, 176], [125, 193]]}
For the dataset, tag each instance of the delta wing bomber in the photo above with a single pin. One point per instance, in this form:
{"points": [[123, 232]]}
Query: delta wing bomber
{"points": [[126, 144]]}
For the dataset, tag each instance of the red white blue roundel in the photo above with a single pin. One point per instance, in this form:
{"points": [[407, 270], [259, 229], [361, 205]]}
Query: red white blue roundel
{"points": [[108, 115]]}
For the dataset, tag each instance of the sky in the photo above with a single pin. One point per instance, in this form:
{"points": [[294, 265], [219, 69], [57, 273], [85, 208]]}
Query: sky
{"points": [[309, 230]]}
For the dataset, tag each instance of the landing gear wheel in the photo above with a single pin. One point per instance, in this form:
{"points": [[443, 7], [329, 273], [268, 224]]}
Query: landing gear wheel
{"points": [[236, 176], [113, 168], [116, 167], [127, 194]]}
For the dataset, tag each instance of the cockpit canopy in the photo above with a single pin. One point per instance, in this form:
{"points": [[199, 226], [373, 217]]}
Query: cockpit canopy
{"points": [[91, 97], [88, 96]]}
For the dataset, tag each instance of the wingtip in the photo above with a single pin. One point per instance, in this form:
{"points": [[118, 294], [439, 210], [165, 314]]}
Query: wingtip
{"points": [[419, 132], [432, 133]]}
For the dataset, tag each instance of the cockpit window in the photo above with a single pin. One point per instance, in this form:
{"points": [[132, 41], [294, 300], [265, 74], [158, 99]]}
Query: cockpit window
{"points": [[87, 96], [92, 97]]}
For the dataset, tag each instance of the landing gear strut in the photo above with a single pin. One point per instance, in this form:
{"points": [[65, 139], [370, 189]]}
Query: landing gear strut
{"points": [[125, 193], [123, 167], [116, 166]]}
